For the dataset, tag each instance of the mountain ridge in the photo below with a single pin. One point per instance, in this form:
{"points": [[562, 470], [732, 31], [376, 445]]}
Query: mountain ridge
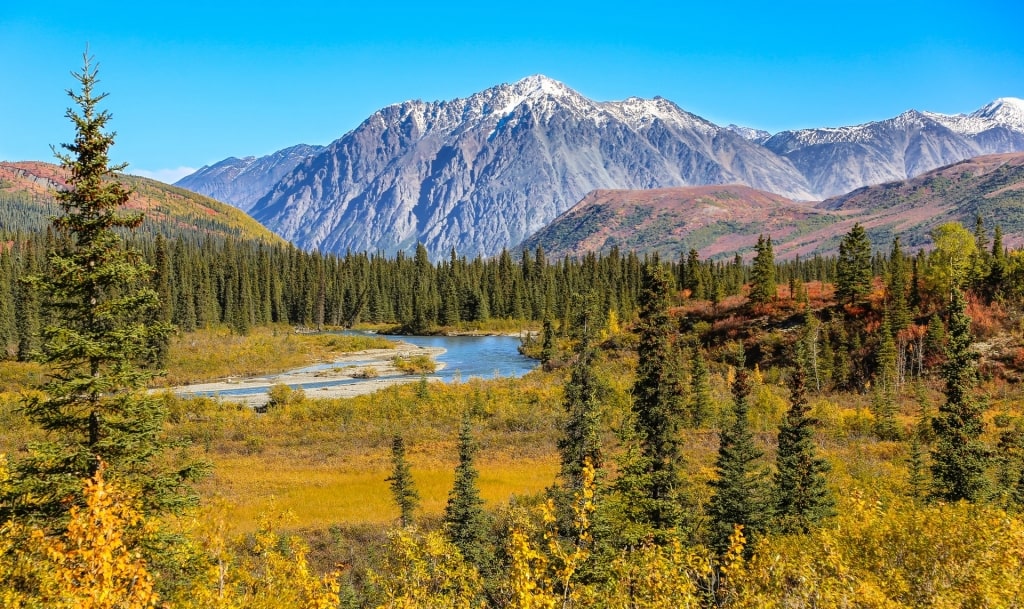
{"points": [[484, 172], [242, 181], [722, 220]]}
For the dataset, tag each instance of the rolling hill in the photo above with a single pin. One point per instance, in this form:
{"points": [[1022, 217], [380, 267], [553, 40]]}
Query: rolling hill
{"points": [[27, 202], [720, 220]]}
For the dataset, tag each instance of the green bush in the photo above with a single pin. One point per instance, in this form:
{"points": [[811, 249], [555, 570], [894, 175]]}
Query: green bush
{"points": [[414, 364]]}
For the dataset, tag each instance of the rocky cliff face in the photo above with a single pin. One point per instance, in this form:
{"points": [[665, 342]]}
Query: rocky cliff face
{"points": [[837, 161], [242, 182], [483, 173]]}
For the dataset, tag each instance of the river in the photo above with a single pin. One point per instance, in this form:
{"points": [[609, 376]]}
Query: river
{"points": [[459, 358]]}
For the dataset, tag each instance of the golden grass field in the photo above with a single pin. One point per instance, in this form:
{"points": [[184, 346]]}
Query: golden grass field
{"points": [[319, 496]]}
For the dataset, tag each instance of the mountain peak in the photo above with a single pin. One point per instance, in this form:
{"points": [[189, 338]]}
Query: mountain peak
{"points": [[540, 84], [537, 87], [1007, 109], [502, 99]]}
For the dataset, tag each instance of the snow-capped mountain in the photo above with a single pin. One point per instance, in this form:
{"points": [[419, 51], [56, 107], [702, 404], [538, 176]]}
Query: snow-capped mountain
{"points": [[241, 182], [838, 160], [749, 133], [482, 173]]}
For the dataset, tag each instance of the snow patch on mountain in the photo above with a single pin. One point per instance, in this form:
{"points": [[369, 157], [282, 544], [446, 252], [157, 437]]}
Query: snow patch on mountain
{"points": [[749, 133]]}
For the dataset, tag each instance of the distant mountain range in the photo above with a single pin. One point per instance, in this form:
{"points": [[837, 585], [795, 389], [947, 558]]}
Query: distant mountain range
{"points": [[722, 220], [27, 202], [244, 181], [486, 172], [836, 161]]}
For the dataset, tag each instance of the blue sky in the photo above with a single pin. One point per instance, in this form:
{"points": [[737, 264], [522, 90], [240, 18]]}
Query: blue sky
{"points": [[191, 83]]}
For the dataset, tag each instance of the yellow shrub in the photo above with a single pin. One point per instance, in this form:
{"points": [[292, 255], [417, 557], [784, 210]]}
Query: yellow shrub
{"points": [[426, 571], [264, 571], [91, 565], [892, 554]]}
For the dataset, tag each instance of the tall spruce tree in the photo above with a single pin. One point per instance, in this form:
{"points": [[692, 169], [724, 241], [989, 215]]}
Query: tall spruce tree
{"points": [[26, 308], [959, 458], [547, 348], [403, 489], [853, 266], [700, 388], [997, 267], [95, 407], [762, 275], [896, 288], [885, 387], [581, 440], [802, 497], [8, 323], [164, 312], [657, 406], [917, 473], [465, 522], [740, 490]]}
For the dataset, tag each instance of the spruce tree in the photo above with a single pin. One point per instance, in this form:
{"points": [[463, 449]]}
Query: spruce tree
{"points": [[994, 288], [581, 439], [26, 308], [96, 409], [914, 300], [465, 521], [917, 477], [693, 276], [657, 406], [700, 388], [935, 338], [762, 275], [802, 497], [896, 288], [164, 311], [8, 323], [402, 488], [884, 391], [959, 458], [547, 349], [853, 266], [740, 495]]}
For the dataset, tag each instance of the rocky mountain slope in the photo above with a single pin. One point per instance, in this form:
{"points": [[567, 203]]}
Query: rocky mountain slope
{"points": [[721, 220], [836, 161], [26, 203], [485, 172], [482, 173], [242, 182], [714, 220]]}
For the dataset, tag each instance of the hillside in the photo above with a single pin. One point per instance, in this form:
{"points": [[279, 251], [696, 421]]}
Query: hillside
{"points": [[715, 220], [26, 203], [992, 186], [720, 220]]}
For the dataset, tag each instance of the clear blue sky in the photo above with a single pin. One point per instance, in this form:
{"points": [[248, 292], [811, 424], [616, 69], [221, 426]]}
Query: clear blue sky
{"points": [[191, 83]]}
